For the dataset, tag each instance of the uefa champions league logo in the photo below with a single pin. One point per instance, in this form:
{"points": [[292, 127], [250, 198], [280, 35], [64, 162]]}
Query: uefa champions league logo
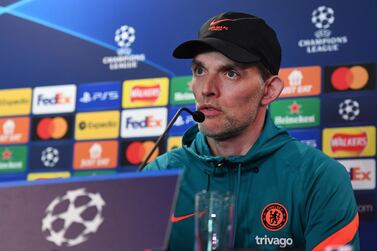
{"points": [[70, 219], [322, 18], [124, 37], [349, 109]]}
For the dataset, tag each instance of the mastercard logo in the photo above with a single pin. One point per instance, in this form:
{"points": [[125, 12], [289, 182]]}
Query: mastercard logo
{"points": [[344, 78], [350, 77], [137, 151], [52, 128]]}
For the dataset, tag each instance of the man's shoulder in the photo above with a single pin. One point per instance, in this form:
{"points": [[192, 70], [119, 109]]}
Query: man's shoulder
{"points": [[170, 160]]}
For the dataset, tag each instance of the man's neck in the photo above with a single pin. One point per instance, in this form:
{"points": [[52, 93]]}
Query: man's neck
{"points": [[239, 144]]}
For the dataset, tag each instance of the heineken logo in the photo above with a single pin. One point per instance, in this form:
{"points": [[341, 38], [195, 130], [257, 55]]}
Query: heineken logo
{"points": [[12, 159], [296, 113]]}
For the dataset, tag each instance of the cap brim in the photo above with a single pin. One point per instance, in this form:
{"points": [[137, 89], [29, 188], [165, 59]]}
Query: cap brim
{"points": [[192, 48]]}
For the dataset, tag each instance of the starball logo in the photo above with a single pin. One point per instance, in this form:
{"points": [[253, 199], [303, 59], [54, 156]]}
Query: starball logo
{"points": [[124, 37], [322, 18]]}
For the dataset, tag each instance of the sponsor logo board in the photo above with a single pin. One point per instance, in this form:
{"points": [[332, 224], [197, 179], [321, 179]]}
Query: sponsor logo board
{"points": [[355, 77], [366, 204], [362, 173], [349, 109], [50, 156], [145, 92], [14, 130], [349, 141], [180, 92], [13, 159], [49, 175], [296, 113], [311, 137], [174, 142], [135, 151], [183, 122], [99, 96], [15, 101], [52, 128], [95, 154], [54, 99], [143, 122], [301, 81], [97, 125]]}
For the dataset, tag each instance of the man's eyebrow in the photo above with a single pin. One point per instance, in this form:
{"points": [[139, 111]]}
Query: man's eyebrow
{"points": [[196, 62]]}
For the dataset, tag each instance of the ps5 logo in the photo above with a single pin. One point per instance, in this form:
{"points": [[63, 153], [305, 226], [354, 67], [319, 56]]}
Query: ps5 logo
{"points": [[88, 97]]}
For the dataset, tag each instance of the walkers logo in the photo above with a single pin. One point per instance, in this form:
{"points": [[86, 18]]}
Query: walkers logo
{"points": [[15, 102], [54, 99], [49, 175], [351, 109], [292, 113], [93, 155], [124, 37], [52, 128], [174, 142], [12, 159], [273, 241], [97, 125], [274, 216], [362, 173], [14, 130], [145, 92], [366, 203], [51, 157], [180, 91], [99, 96], [350, 77], [183, 122], [322, 18], [134, 152], [143, 122], [349, 141], [301, 81], [311, 137]]}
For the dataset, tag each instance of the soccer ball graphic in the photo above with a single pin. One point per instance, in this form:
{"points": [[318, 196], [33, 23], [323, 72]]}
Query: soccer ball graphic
{"points": [[71, 218], [349, 109], [50, 156], [323, 17], [125, 36]]}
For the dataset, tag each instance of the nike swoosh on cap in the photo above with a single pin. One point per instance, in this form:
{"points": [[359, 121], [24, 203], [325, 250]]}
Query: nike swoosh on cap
{"points": [[219, 21]]}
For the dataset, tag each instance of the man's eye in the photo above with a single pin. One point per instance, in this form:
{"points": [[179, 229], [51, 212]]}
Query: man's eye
{"points": [[198, 71], [232, 74]]}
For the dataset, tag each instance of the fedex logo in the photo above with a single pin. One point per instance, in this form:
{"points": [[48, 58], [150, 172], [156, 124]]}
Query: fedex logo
{"points": [[105, 95], [143, 122], [362, 173], [54, 99], [149, 122]]}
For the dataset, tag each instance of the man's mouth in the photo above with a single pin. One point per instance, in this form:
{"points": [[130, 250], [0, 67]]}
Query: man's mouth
{"points": [[209, 110]]}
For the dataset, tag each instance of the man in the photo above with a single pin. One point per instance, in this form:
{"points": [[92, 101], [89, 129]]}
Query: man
{"points": [[288, 195]]}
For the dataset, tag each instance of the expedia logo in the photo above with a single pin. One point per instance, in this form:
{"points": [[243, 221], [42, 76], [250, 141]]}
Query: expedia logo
{"points": [[350, 77], [134, 152], [143, 93], [274, 216], [15, 101], [97, 125], [349, 142]]}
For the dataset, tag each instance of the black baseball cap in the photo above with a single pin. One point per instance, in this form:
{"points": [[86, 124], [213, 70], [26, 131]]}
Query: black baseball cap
{"points": [[242, 37]]}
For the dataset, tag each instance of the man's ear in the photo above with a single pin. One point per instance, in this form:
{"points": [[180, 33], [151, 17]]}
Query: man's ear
{"points": [[272, 89]]}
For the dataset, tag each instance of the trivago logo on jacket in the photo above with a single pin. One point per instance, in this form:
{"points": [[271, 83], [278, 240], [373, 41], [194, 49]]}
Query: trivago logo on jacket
{"points": [[145, 92], [349, 141]]}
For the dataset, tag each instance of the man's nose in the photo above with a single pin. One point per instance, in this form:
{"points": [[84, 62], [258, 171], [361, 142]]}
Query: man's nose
{"points": [[210, 86]]}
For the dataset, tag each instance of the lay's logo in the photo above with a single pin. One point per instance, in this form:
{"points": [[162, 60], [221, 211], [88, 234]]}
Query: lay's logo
{"points": [[145, 92], [349, 141]]}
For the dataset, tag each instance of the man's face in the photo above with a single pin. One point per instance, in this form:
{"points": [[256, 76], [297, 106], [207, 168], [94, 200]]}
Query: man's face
{"points": [[228, 94]]}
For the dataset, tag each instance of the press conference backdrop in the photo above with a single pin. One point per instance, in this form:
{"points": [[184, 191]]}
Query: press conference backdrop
{"points": [[86, 87]]}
